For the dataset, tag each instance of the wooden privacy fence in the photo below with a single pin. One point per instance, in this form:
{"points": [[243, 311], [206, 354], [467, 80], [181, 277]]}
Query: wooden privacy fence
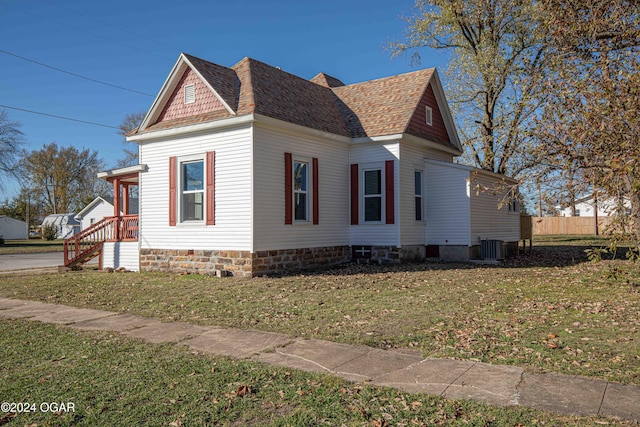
{"points": [[568, 225]]}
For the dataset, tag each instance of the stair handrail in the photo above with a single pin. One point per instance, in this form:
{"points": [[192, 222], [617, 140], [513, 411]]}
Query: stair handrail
{"points": [[92, 236]]}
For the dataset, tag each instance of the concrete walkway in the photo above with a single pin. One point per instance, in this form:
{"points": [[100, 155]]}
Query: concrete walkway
{"points": [[408, 371]]}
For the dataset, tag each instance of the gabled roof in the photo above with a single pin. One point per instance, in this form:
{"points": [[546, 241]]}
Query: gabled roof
{"points": [[370, 109], [61, 219], [383, 106], [90, 206]]}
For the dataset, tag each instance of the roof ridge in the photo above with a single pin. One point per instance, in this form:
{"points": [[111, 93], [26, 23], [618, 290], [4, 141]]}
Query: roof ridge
{"points": [[424, 70]]}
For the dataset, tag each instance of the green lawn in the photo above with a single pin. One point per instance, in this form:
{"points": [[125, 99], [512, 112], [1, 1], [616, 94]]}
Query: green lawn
{"points": [[545, 311], [111, 380], [30, 246]]}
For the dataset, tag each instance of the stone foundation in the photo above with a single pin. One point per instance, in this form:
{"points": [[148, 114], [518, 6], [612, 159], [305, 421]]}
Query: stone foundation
{"points": [[241, 263], [248, 264], [414, 253], [387, 254]]}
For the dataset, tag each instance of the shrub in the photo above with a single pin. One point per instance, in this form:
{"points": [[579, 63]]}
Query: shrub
{"points": [[49, 231]]}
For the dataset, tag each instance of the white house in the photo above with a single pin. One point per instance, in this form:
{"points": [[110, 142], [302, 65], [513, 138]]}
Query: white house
{"points": [[252, 170], [586, 206], [66, 225], [100, 208], [12, 229], [95, 211]]}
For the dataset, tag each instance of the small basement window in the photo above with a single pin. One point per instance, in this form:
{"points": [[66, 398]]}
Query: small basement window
{"points": [[190, 94], [429, 116]]}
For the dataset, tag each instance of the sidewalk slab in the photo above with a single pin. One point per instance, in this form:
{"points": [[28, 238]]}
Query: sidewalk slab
{"points": [[236, 342], [562, 393], [622, 401], [32, 309], [492, 384], [430, 376], [159, 332], [6, 303], [325, 355], [116, 323], [376, 363], [72, 315], [289, 361]]}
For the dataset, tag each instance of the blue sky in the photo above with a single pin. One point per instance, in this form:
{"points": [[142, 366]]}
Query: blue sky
{"points": [[134, 44]]}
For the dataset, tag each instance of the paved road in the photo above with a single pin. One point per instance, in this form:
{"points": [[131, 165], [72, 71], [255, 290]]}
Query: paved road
{"points": [[28, 261]]}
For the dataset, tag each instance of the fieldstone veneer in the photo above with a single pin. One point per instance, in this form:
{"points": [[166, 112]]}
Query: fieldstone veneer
{"points": [[241, 263]]}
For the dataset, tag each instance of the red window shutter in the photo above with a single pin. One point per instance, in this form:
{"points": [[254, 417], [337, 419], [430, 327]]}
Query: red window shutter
{"points": [[172, 190], [389, 192], [316, 206], [210, 189], [354, 194], [288, 189]]}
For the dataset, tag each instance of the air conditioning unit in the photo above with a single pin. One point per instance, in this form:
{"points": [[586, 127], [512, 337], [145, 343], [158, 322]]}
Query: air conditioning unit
{"points": [[491, 249]]}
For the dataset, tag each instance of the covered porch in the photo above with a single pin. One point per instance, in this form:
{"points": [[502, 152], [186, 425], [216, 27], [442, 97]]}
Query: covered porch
{"points": [[106, 237], [124, 223]]}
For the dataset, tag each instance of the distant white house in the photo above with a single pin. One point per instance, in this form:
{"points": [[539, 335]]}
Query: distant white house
{"points": [[66, 225], [100, 208], [586, 206], [94, 212], [12, 229]]}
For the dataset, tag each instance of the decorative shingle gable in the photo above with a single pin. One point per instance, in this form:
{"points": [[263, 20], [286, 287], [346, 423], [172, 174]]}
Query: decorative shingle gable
{"points": [[205, 100]]}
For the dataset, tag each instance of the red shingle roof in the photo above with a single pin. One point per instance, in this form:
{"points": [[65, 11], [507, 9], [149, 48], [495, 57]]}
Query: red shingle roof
{"points": [[374, 108]]}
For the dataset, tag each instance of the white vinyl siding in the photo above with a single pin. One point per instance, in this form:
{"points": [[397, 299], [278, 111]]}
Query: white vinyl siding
{"points": [[121, 254], [95, 214], [411, 160], [233, 190], [270, 144], [369, 156], [447, 212], [490, 215]]}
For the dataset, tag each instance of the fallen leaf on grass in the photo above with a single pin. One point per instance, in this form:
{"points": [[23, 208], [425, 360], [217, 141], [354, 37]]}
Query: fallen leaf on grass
{"points": [[243, 390]]}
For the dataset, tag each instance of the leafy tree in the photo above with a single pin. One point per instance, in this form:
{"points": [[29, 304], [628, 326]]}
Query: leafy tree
{"points": [[62, 179], [590, 120], [497, 53], [17, 208], [11, 141], [130, 122]]}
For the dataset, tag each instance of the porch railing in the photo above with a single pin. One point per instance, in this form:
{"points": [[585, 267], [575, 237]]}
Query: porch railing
{"points": [[88, 244]]}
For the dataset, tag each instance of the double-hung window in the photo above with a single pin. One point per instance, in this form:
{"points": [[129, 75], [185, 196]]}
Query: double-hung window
{"points": [[301, 190], [417, 175], [372, 195], [192, 190], [301, 197]]}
